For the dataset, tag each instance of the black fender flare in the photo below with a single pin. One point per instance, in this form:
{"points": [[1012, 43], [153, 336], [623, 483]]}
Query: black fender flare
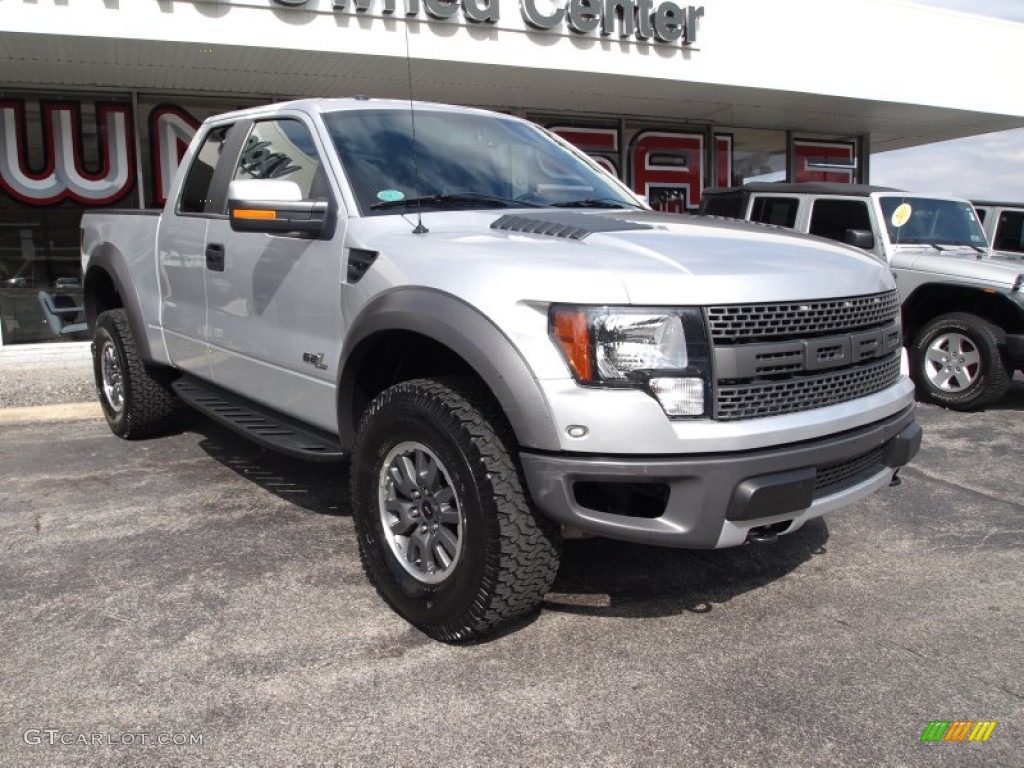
{"points": [[466, 331], [998, 308], [109, 259]]}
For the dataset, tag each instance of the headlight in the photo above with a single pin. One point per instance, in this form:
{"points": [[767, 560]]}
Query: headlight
{"points": [[662, 351]]}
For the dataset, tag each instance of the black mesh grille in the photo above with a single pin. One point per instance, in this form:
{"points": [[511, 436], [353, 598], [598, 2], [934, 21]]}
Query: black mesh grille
{"points": [[833, 478], [745, 323], [773, 398]]}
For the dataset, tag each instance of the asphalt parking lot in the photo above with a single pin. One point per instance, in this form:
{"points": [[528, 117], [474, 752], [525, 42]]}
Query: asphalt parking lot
{"points": [[200, 591]]}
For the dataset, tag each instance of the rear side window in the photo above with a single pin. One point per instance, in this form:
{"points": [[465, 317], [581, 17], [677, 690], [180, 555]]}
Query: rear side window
{"points": [[780, 211], [195, 192], [831, 218], [727, 204], [1010, 232]]}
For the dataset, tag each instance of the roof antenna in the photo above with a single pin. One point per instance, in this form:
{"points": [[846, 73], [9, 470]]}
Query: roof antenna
{"points": [[420, 229]]}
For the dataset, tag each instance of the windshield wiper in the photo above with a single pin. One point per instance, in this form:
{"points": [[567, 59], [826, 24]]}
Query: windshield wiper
{"points": [[457, 198], [919, 244], [595, 202]]}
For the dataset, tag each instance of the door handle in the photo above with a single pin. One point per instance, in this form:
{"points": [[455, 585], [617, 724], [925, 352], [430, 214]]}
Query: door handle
{"points": [[215, 257]]}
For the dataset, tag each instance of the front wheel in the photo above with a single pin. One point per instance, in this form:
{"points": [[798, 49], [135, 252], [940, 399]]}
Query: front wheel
{"points": [[446, 533], [956, 362], [136, 398]]}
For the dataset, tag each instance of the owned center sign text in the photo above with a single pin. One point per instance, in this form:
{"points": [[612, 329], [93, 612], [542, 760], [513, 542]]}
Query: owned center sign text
{"points": [[644, 20]]}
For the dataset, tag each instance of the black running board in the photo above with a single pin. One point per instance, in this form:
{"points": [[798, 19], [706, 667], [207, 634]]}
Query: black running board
{"points": [[260, 424]]}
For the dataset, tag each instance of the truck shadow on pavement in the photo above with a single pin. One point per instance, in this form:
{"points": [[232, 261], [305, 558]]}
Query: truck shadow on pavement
{"points": [[597, 577], [314, 487], [600, 577]]}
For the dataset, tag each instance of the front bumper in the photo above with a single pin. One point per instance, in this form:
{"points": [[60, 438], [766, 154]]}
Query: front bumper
{"points": [[707, 501]]}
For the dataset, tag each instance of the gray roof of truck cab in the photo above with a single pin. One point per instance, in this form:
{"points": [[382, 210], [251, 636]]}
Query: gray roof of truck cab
{"points": [[804, 187], [320, 105]]}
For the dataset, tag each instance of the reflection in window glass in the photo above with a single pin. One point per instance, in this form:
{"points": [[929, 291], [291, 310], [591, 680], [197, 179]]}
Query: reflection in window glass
{"points": [[282, 149], [757, 155], [780, 211], [195, 192], [1010, 232], [832, 218], [475, 156], [923, 220], [39, 223]]}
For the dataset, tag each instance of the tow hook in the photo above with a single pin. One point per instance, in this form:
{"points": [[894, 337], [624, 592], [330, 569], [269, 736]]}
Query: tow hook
{"points": [[767, 534], [763, 534]]}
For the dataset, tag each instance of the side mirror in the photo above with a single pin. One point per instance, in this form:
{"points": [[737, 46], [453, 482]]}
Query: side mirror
{"points": [[275, 206], [859, 238]]}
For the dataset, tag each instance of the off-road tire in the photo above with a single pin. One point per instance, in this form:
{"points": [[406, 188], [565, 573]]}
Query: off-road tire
{"points": [[509, 554], [956, 361], [136, 398]]}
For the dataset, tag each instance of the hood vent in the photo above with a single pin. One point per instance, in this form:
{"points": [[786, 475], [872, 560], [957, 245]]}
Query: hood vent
{"points": [[567, 224]]}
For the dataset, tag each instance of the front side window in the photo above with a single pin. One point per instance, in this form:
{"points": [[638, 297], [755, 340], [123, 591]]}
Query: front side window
{"points": [[462, 160], [930, 221], [283, 149], [195, 192], [832, 218]]}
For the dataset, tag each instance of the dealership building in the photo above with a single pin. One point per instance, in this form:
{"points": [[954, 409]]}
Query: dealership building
{"points": [[99, 98]]}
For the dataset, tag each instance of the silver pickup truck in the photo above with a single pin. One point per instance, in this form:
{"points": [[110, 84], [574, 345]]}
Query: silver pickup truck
{"points": [[963, 308], [504, 341]]}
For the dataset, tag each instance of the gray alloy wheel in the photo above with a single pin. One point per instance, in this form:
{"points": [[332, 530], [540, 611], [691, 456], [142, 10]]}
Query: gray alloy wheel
{"points": [[957, 362], [111, 377], [421, 515], [952, 362], [447, 534]]}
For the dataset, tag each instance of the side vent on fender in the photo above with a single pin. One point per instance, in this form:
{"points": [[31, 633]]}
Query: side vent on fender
{"points": [[359, 262]]}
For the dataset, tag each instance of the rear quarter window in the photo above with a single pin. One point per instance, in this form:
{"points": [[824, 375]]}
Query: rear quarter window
{"points": [[195, 191], [780, 211]]}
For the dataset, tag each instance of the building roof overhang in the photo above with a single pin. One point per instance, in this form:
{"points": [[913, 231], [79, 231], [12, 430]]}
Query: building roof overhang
{"points": [[245, 49]]}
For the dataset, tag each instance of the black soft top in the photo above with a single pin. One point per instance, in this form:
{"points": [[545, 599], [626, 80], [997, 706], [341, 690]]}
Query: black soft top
{"points": [[807, 188]]}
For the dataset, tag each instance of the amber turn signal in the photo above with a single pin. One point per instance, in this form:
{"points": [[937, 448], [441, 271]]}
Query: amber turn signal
{"points": [[248, 213], [570, 328]]}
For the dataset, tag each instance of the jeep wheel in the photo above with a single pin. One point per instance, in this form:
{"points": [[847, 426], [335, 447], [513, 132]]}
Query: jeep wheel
{"points": [[956, 362], [136, 398], [446, 533]]}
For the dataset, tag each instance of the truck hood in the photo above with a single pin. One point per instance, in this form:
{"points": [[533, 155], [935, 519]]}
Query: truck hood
{"points": [[638, 257]]}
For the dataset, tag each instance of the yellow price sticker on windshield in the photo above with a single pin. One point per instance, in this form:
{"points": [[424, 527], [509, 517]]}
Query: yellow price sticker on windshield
{"points": [[901, 215]]}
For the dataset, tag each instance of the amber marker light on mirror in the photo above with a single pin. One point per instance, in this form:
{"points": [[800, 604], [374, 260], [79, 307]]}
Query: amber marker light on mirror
{"points": [[248, 213], [569, 326]]}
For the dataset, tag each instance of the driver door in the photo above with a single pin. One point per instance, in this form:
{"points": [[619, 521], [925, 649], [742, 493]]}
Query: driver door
{"points": [[274, 300]]}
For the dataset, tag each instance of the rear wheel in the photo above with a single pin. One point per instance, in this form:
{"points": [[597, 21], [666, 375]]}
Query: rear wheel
{"points": [[956, 362], [446, 533], [137, 400]]}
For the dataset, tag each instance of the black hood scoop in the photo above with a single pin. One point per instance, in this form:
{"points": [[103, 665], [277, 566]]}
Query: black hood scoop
{"points": [[567, 224]]}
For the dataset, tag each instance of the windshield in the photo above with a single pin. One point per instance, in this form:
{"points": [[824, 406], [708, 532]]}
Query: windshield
{"points": [[927, 221], [462, 161]]}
